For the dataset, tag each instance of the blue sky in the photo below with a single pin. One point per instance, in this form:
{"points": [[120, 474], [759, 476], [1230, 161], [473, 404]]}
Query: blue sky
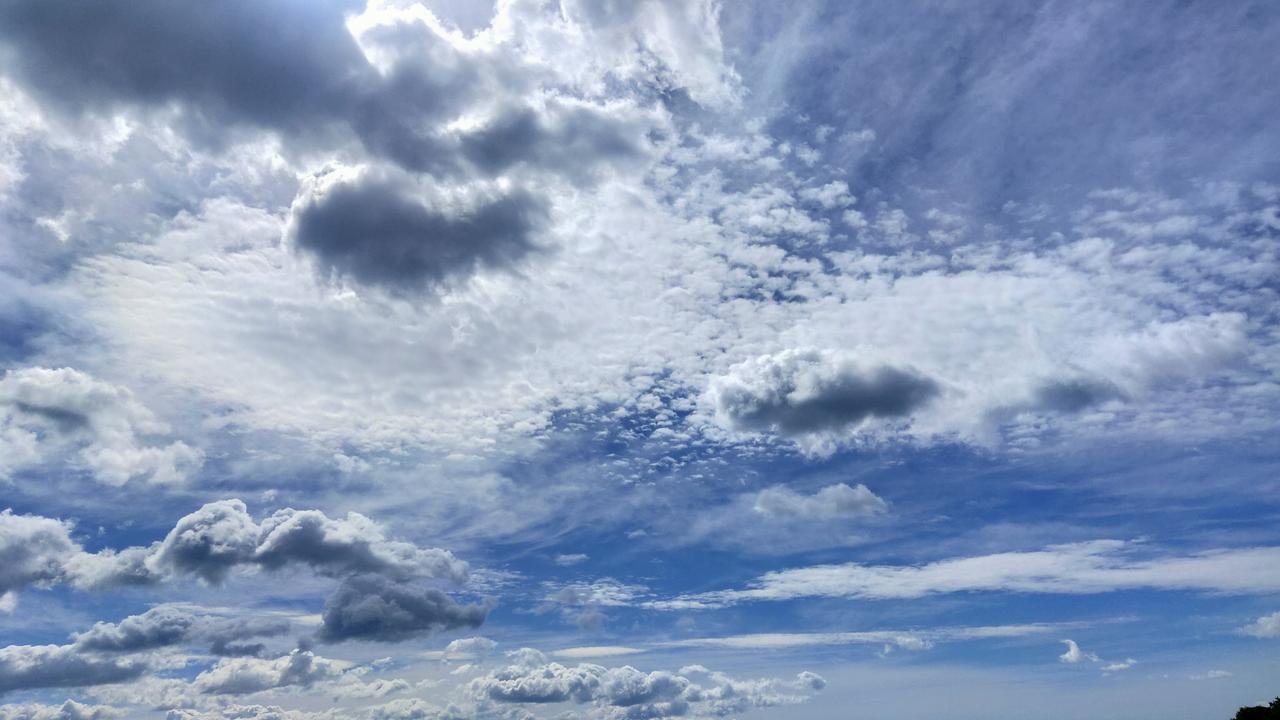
{"points": [[585, 359]]}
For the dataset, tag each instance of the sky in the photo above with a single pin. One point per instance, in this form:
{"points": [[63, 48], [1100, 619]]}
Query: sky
{"points": [[585, 359]]}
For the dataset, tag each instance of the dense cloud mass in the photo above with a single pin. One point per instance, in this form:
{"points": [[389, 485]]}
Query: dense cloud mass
{"points": [[378, 233], [166, 626], [797, 392], [40, 407], [212, 542], [625, 692], [27, 667], [371, 607], [775, 336]]}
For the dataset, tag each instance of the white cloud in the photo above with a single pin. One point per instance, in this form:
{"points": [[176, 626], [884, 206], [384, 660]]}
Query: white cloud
{"points": [[1267, 626], [838, 500], [44, 411], [1079, 568]]}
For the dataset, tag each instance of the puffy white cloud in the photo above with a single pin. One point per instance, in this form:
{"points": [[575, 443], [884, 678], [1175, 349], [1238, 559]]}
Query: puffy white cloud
{"points": [[45, 412], [69, 710], [838, 500], [1267, 626], [625, 692], [240, 676], [1074, 654]]}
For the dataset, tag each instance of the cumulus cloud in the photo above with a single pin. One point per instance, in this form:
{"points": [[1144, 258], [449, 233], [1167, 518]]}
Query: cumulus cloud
{"points": [[380, 230], [1079, 568], [166, 626], [211, 542], [799, 392], [222, 535], [1267, 626], [625, 692], [46, 411], [371, 607], [832, 501], [29, 667], [69, 710], [241, 676]]}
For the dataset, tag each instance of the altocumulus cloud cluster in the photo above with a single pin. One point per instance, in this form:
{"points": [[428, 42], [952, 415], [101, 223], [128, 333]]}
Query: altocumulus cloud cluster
{"points": [[350, 350]]}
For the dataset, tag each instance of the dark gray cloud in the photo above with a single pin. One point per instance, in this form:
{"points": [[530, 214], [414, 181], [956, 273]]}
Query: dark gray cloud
{"points": [[371, 607], [376, 231], [222, 535], [33, 550], [167, 626], [30, 667], [284, 64], [569, 139], [806, 391], [1074, 394]]}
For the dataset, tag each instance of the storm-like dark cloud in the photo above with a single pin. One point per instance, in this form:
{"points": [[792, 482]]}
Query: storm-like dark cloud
{"points": [[371, 607], [807, 391], [377, 231], [285, 64], [29, 667]]}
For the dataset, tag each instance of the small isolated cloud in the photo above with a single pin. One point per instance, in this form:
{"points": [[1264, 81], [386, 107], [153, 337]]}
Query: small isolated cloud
{"points": [[1120, 665], [1267, 626], [1074, 654], [571, 559], [46, 413], [803, 392], [1210, 675], [832, 501]]}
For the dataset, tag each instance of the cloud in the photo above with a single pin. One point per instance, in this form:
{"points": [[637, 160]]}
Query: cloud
{"points": [[222, 535], [212, 542], [30, 667], [32, 551], [627, 692], [370, 607], [571, 559], [1120, 665], [380, 230], [1267, 626], [1080, 568], [1210, 675], [241, 676], [469, 647], [1074, 654], [832, 501], [798, 392], [166, 626], [69, 710], [45, 410]]}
